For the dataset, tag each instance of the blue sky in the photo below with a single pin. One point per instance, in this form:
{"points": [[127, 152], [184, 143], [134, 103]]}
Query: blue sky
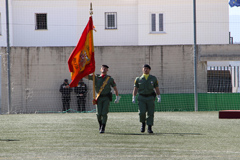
{"points": [[234, 23]]}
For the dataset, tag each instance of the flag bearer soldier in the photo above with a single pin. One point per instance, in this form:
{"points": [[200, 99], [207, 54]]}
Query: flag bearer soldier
{"points": [[103, 84], [145, 86]]}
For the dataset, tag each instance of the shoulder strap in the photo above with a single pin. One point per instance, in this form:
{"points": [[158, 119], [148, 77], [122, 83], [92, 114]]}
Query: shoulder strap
{"points": [[102, 87]]}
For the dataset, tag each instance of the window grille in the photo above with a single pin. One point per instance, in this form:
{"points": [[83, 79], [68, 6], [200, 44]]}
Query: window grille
{"points": [[41, 21], [157, 22], [110, 20], [0, 24]]}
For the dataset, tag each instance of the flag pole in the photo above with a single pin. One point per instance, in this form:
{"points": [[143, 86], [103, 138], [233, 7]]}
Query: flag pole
{"points": [[94, 85], [91, 13]]}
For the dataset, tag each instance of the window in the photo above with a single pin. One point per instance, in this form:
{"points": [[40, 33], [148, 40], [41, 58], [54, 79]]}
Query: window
{"points": [[219, 81], [0, 24], [156, 22], [41, 21], [110, 20]]}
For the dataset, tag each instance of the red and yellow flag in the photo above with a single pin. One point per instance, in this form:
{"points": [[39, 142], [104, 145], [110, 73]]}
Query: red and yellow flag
{"points": [[81, 62]]}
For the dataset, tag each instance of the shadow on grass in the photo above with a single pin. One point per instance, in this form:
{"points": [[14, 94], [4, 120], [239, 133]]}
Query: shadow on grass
{"points": [[157, 134], [9, 140]]}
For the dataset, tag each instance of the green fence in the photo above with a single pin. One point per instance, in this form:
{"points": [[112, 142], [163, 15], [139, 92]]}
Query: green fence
{"points": [[184, 102]]}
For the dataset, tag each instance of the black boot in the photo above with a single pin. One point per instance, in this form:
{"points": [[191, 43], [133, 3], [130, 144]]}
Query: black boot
{"points": [[150, 129], [143, 127], [102, 130], [100, 125]]}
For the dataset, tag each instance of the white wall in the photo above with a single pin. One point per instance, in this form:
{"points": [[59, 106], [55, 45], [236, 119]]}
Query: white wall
{"points": [[126, 32], [2, 9], [212, 22], [67, 19], [3, 38], [176, 32], [62, 24]]}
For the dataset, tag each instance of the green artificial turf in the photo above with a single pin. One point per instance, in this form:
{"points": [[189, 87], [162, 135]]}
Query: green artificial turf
{"points": [[177, 136]]}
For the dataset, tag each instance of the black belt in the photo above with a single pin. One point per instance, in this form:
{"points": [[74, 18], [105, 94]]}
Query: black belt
{"points": [[104, 95], [146, 95]]}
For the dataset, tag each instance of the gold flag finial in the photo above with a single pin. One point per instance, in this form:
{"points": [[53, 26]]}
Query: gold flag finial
{"points": [[91, 12]]}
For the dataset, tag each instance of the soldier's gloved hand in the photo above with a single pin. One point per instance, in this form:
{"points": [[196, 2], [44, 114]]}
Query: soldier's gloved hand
{"points": [[117, 99], [133, 99], [158, 98]]}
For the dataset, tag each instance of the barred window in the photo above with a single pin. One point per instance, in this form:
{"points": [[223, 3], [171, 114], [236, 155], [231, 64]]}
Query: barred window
{"points": [[157, 22], [110, 20], [153, 23], [0, 24], [219, 79], [41, 21], [160, 22]]}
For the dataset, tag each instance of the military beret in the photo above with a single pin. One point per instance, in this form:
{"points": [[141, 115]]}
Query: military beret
{"points": [[104, 65], [146, 65], [65, 80]]}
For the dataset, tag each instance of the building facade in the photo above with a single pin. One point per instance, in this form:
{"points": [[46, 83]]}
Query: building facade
{"points": [[118, 22]]}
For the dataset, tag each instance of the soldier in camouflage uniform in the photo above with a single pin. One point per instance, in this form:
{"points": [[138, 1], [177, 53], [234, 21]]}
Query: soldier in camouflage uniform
{"points": [[145, 86], [105, 97]]}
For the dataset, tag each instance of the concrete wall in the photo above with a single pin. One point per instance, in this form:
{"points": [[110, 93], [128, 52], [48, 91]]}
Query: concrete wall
{"points": [[38, 72], [219, 52]]}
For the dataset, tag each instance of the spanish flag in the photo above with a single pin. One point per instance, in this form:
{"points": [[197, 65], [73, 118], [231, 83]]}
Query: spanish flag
{"points": [[81, 62]]}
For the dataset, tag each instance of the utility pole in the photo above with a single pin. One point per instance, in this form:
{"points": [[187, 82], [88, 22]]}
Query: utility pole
{"points": [[8, 57], [195, 55]]}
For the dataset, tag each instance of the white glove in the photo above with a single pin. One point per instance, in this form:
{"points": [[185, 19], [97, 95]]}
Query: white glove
{"points": [[133, 99], [117, 99], [158, 98]]}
